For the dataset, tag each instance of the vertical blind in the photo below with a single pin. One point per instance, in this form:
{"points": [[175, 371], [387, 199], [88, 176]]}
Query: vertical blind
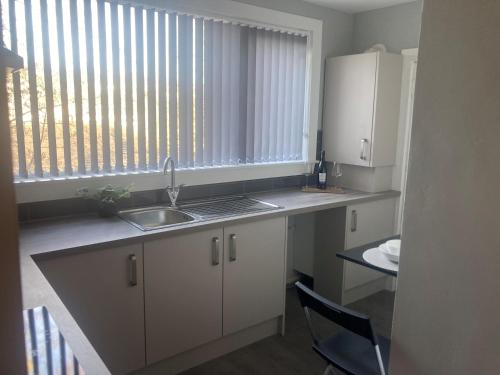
{"points": [[113, 88]]}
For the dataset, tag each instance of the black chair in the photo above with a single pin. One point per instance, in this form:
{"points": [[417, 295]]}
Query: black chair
{"points": [[357, 350]]}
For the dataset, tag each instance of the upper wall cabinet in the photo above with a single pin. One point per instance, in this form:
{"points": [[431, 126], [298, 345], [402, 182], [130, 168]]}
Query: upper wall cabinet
{"points": [[362, 96]]}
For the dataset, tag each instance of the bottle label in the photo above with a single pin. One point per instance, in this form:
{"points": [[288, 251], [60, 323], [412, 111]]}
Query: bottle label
{"points": [[322, 178]]}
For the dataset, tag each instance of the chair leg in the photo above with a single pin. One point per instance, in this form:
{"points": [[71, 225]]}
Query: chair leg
{"points": [[328, 370]]}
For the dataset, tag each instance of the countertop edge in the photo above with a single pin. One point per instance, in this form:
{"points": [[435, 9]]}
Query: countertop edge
{"points": [[138, 236]]}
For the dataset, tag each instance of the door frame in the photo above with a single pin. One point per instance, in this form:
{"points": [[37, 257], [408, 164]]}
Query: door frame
{"points": [[400, 172], [12, 355]]}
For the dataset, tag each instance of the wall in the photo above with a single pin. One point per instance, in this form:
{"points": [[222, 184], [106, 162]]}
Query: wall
{"points": [[12, 359], [447, 305], [398, 27]]}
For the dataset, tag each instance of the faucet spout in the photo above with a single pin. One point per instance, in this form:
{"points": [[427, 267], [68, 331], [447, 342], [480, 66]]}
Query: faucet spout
{"points": [[172, 190], [170, 161]]}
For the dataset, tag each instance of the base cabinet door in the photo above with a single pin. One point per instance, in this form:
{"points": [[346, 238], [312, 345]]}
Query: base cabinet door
{"points": [[254, 268], [183, 292], [366, 222], [103, 291]]}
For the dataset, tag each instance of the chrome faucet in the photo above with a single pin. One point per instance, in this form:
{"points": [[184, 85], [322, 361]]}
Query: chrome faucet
{"points": [[172, 190]]}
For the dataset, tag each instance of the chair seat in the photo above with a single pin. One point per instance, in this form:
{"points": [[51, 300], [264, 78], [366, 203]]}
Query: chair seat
{"points": [[354, 354]]}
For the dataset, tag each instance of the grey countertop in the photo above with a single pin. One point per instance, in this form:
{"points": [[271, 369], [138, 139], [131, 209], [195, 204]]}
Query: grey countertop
{"points": [[79, 233]]}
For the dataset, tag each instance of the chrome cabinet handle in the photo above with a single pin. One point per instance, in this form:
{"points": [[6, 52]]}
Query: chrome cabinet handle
{"points": [[362, 155], [132, 270], [354, 221], [215, 251], [232, 247]]}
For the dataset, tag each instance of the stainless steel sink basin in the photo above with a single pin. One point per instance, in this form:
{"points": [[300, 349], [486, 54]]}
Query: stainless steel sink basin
{"points": [[155, 217], [151, 218]]}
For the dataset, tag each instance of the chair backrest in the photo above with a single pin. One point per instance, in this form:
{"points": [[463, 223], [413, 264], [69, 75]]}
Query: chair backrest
{"points": [[351, 320]]}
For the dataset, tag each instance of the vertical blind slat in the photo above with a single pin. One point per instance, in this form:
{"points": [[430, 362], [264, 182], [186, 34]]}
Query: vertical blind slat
{"points": [[207, 97], [274, 96], [266, 128], [117, 106], [234, 92], [288, 98], [77, 78], [151, 72], [295, 101], [35, 120], [49, 92], [251, 95], [301, 80], [216, 92], [185, 50], [242, 94], [162, 87], [226, 92], [172, 85], [106, 158], [280, 120], [129, 109], [94, 166], [141, 115], [18, 105], [63, 83], [198, 91], [259, 96]]}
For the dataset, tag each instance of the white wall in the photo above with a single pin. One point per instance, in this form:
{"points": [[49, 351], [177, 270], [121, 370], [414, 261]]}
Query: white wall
{"points": [[398, 27], [447, 306]]}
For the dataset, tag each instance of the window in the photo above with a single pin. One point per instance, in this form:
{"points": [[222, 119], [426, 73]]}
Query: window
{"points": [[112, 88]]}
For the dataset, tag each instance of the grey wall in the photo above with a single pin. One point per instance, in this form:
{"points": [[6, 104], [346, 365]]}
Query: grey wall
{"points": [[447, 306], [398, 27]]}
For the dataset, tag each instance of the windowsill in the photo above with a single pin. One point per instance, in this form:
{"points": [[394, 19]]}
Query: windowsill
{"points": [[65, 187]]}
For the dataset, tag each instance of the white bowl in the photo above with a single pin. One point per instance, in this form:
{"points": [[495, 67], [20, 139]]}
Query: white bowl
{"points": [[394, 246], [392, 255]]}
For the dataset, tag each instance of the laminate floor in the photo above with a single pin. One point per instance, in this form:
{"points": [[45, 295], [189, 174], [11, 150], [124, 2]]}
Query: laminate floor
{"points": [[292, 354]]}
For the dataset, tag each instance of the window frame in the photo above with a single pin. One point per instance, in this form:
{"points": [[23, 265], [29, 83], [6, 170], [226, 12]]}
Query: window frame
{"points": [[38, 189]]}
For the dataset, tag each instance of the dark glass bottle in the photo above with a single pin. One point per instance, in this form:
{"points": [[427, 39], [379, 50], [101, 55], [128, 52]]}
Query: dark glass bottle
{"points": [[321, 183]]}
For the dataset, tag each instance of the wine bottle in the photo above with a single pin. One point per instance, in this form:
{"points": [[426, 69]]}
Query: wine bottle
{"points": [[321, 184]]}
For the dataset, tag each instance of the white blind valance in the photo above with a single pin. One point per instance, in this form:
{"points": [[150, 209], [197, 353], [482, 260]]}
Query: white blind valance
{"points": [[115, 88]]}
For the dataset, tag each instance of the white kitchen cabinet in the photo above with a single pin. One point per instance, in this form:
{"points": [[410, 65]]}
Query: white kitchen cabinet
{"points": [[183, 292], [103, 291], [254, 269], [361, 108], [365, 223]]}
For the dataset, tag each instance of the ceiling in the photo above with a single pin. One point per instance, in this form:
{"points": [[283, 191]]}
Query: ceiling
{"points": [[355, 6]]}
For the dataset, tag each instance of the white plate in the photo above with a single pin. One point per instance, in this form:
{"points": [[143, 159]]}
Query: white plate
{"points": [[392, 255], [374, 256]]}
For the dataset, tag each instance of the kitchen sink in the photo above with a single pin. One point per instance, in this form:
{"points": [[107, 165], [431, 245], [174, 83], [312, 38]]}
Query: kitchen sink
{"points": [[151, 218], [155, 217]]}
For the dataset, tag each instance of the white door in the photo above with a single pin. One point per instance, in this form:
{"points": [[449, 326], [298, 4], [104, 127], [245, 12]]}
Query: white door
{"points": [[254, 269], [348, 108], [103, 291], [366, 222], [183, 292]]}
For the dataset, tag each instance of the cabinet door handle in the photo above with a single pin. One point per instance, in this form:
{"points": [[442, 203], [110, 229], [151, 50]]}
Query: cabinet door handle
{"points": [[215, 251], [232, 247], [354, 221], [132, 270], [364, 142]]}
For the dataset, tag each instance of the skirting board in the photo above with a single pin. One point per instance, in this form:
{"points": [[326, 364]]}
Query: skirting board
{"points": [[214, 349], [362, 291]]}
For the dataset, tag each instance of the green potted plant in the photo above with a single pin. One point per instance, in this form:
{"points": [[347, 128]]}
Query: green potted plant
{"points": [[107, 198]]}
